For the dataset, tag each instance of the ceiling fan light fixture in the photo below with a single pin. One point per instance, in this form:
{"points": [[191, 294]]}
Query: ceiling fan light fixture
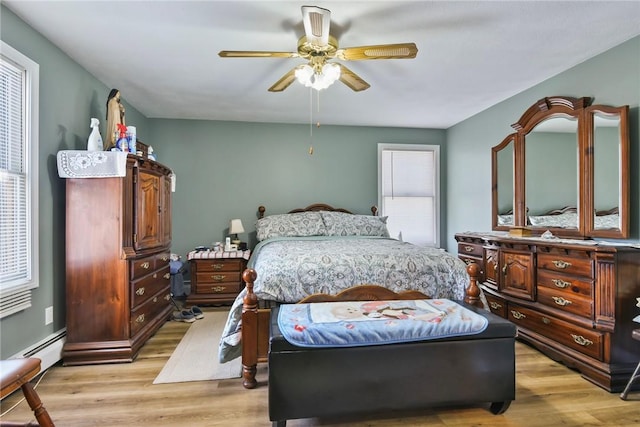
{"points": [[318, 80]]}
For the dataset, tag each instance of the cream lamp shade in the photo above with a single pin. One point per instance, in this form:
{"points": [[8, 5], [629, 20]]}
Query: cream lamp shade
{"points": [[235, 227]]}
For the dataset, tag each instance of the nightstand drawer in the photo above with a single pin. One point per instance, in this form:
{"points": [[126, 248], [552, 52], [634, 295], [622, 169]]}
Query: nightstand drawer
{"points": [[218, 288], [220, 265], [218, 277]]}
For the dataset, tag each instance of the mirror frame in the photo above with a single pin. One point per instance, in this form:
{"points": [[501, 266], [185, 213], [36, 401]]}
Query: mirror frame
{"points": [[580, 108]]}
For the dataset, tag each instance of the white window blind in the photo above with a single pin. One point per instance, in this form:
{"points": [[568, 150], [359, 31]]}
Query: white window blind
{"points": [[409, 192], [19, 78]]}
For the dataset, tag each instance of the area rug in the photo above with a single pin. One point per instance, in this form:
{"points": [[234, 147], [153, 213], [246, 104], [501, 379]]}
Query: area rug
{"points": [[196, 357]]}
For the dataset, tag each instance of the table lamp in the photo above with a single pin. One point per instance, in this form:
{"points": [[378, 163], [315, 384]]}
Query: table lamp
{"points": [[235, 227]]}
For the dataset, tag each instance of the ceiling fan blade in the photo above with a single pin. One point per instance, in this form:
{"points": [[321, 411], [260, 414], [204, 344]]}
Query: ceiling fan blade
{"points": [[379, 51], [284, 82], [316, 22], [352, 80], [256, 54]]}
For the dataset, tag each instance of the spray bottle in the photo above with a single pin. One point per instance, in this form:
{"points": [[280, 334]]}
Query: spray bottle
{"points": [[94, 143]]}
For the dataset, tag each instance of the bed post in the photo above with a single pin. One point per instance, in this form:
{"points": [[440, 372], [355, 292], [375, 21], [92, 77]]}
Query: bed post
{"points": [[472, 293], [249, 331]]}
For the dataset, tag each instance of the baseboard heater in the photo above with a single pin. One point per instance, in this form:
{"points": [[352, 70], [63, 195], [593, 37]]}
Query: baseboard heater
{"points": [[48, 350]]}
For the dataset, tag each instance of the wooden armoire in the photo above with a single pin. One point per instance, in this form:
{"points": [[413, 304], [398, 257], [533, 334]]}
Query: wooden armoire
{"points": [[118, 238]]}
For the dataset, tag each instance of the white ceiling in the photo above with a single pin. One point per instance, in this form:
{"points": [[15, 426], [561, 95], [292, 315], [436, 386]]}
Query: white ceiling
{"points": [[163, 55]]}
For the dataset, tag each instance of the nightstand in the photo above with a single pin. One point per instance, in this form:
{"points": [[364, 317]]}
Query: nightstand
{"points": [[216, 277]]}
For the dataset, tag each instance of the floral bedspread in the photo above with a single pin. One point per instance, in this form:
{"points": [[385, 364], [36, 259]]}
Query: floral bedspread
{"points": [[292, 268]]}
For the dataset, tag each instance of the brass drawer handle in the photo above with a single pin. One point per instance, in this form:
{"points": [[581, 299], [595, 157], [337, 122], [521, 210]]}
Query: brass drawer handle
{"points": [[140, 319], [167, 276], [561, 301], [167, 297], [164, 258], [561, 283], [218, 277], [140, 291], [517, 314], [495, 305], [145, 265], [155, 275], [561, 264], [155, 299], [217, 289], [546, 321], [504, 269], [467, 261], [579, 339], [468, 248], [217, 266]]}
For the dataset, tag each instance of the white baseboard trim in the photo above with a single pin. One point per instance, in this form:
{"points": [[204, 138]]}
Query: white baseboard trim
{"points": [[48, 350]]}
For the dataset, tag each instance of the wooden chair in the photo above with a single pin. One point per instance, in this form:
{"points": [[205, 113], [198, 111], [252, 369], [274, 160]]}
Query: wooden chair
{"points": [[16, 373]]}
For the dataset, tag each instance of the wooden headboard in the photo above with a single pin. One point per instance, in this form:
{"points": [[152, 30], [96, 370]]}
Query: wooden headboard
{"points": [[316, 207]]}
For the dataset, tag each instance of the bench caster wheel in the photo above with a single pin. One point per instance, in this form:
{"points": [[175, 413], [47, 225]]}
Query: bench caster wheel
{"points": [[498, 408]]}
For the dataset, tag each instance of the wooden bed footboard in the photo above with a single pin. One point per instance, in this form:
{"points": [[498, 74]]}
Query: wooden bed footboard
{"points": [[255, 321]]}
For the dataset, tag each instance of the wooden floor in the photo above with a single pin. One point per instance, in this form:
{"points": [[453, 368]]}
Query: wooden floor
{"points": [[547, 394]]}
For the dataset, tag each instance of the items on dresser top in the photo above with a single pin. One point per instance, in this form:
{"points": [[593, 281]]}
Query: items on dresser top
{"points": [[572, 299]]}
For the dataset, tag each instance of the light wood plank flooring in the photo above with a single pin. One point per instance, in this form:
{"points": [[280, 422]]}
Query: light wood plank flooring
{"points": [[547, 394]]}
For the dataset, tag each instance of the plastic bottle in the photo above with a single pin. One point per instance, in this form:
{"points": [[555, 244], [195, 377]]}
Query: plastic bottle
{"points": [[94, 142]]}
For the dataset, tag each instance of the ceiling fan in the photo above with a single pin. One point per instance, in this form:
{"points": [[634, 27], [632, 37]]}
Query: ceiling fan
{"points": [[319, 48]]}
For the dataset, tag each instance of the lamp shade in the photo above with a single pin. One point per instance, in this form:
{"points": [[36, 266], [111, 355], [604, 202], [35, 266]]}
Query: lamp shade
{"points": [[235, 226]]}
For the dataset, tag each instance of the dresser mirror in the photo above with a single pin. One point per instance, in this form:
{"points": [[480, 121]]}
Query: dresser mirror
{"points": [[565, 170], [502, 159]]}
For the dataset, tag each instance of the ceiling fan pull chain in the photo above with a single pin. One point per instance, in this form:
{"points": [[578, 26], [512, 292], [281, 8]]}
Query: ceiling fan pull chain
{"points": [[310, 121]]}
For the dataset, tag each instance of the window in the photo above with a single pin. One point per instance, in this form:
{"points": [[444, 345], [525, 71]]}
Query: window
{"points": [[19, 87], [409, 192]]}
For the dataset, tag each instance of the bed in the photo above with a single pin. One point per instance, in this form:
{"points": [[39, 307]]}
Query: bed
{"points": [[322, 249]]}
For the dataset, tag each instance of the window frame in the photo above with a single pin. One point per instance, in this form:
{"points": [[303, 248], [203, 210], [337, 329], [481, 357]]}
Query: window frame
{"points": [[436, 179], [15, 295]]}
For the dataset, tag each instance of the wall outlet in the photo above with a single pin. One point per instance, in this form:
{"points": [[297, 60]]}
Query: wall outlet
{"points": [[48, 315]]}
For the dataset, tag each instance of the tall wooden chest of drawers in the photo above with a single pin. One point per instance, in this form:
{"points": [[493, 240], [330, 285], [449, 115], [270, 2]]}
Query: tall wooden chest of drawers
{"points": [[574, 300], [118, 238]]}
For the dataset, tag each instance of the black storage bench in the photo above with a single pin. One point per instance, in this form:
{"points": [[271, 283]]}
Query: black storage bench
{"points": [[323, 382]]}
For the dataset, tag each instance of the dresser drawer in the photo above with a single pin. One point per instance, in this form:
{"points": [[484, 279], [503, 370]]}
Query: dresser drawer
{"points": [[213, 265], [586, 341], [571, 285], [471, 249], [562, 300], [142, 266], [497, 305], [149, 285], [565, 264], [218, 288], [162, 258], [149, 310]]}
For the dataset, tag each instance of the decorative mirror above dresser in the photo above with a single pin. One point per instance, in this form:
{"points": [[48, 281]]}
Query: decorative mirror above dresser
{"points": [[565, 170]]}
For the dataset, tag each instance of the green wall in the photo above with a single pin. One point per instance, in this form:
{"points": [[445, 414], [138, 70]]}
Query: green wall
{"points": [[612, 78], [226, 170], [69, 97]]}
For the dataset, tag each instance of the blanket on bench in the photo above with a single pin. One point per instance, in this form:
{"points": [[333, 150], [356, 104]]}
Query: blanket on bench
{"points": [[362, 323]]}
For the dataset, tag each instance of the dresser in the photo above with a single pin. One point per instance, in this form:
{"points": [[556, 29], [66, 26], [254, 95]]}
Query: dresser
{"points": [[574, 300], [118, 238], [216, 277]]}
